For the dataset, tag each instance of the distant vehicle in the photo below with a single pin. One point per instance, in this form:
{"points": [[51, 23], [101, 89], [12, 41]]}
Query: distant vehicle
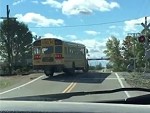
{"points": [[54, 55]]}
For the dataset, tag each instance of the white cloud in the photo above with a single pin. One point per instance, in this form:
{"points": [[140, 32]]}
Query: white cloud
{"points": [[112, 27], [74, 7], [114, 34], [49, 35], [72, 37], [35, 1], [52, 3], [39, 20], [16, 2], [131, 25], [34, 33], [94, 33]]}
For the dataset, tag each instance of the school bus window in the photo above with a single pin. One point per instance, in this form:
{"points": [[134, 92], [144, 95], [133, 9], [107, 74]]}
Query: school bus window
{"points": [[37, 50], [82, 51], [66, 52], [58, 49], [58, 42], [70, 51], [75, 52], [47, 50]]}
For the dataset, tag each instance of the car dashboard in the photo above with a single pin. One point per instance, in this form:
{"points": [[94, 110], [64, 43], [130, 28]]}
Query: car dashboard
{"points": [[69, 107]]}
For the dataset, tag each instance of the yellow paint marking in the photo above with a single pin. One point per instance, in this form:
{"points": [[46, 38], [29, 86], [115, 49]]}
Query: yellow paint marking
{"points": [[71, 87], [68, 88]]}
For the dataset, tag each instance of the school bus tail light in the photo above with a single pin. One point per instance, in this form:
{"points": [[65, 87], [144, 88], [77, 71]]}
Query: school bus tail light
{"points": [[58, 56], [36, 57]]}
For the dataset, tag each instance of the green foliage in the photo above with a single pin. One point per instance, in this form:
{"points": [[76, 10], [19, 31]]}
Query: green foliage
{"points": [[20, 42], [127, 51], [109, 66], [122, 55], [130, 46], [91, 67], [114, 53], [97, 67]]}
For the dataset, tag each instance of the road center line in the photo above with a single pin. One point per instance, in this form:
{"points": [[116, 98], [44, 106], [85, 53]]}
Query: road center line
{"points": [[68, 87], [21, 85], [119, 80], [71, 87]]}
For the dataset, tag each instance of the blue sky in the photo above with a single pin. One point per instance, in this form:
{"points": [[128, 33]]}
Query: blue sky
{"points": [[47, 18]]}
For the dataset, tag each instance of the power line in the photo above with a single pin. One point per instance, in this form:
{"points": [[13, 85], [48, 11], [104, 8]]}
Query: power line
{"points": [[84, 25], [81, 25]]}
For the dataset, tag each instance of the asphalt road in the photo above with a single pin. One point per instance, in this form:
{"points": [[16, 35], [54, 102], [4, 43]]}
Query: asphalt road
{"points": [[62, 83]]}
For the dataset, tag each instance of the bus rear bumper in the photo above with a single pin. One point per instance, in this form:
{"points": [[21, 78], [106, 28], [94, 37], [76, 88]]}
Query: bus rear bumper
{"points": [[55, 68]]}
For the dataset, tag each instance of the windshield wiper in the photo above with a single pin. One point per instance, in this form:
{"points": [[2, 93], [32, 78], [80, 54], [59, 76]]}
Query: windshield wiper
{"points": [[61, 96]]}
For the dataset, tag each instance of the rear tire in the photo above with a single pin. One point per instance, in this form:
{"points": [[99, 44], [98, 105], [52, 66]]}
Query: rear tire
{"points": [[49, 73], [86, 69], [70, 71]]}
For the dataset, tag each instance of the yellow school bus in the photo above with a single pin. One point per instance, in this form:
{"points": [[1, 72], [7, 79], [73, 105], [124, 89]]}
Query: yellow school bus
{"points": [[55, 55]]}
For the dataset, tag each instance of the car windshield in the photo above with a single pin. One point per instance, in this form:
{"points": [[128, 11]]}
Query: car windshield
{"points": [[64, 46]]}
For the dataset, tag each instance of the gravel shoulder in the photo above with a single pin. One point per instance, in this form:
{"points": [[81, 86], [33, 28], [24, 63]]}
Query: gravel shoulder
{"points": [[141, 80], [8, 82]]}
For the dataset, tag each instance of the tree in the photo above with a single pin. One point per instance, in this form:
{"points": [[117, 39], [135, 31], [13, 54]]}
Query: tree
{"points": [[109, 66], [19, 45], [140, 51], [99, 66], [114, 53], [127, 51], [92, 67]]}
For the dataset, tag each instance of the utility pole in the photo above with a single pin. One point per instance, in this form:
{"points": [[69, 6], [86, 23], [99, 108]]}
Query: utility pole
{"points": [[8, 37], [9, 42]]}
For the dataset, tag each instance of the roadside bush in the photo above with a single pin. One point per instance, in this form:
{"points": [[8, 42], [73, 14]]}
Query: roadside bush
{"points": [[4, 70], [18, 71]]}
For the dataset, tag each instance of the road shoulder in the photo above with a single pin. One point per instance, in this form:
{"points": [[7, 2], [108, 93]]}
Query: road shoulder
{"points": [[9, 82], [132, 81]]}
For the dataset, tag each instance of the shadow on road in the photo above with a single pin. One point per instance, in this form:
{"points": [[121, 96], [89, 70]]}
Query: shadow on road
{"points": [[79, 77]]}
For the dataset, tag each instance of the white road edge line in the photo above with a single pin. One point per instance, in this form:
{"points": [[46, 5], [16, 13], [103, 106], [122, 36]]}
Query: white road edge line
{"points": [[21, 85], [127, 94], [103, 78]]}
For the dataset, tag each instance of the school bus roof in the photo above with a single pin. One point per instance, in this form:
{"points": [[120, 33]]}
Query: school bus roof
{"points": [[65, 42], [74, 44]]}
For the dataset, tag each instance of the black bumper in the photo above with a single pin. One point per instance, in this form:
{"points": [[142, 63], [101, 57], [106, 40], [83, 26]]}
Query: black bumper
{"points": [[44, 67]]}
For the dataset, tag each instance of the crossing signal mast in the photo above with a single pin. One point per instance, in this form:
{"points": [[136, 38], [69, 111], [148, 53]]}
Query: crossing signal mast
{"points": [[141, 39], [145, 38]]}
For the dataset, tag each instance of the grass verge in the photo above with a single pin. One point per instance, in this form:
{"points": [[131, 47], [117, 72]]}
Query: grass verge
{"points": [[16, 80], [5, 83], [138, 80]]}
